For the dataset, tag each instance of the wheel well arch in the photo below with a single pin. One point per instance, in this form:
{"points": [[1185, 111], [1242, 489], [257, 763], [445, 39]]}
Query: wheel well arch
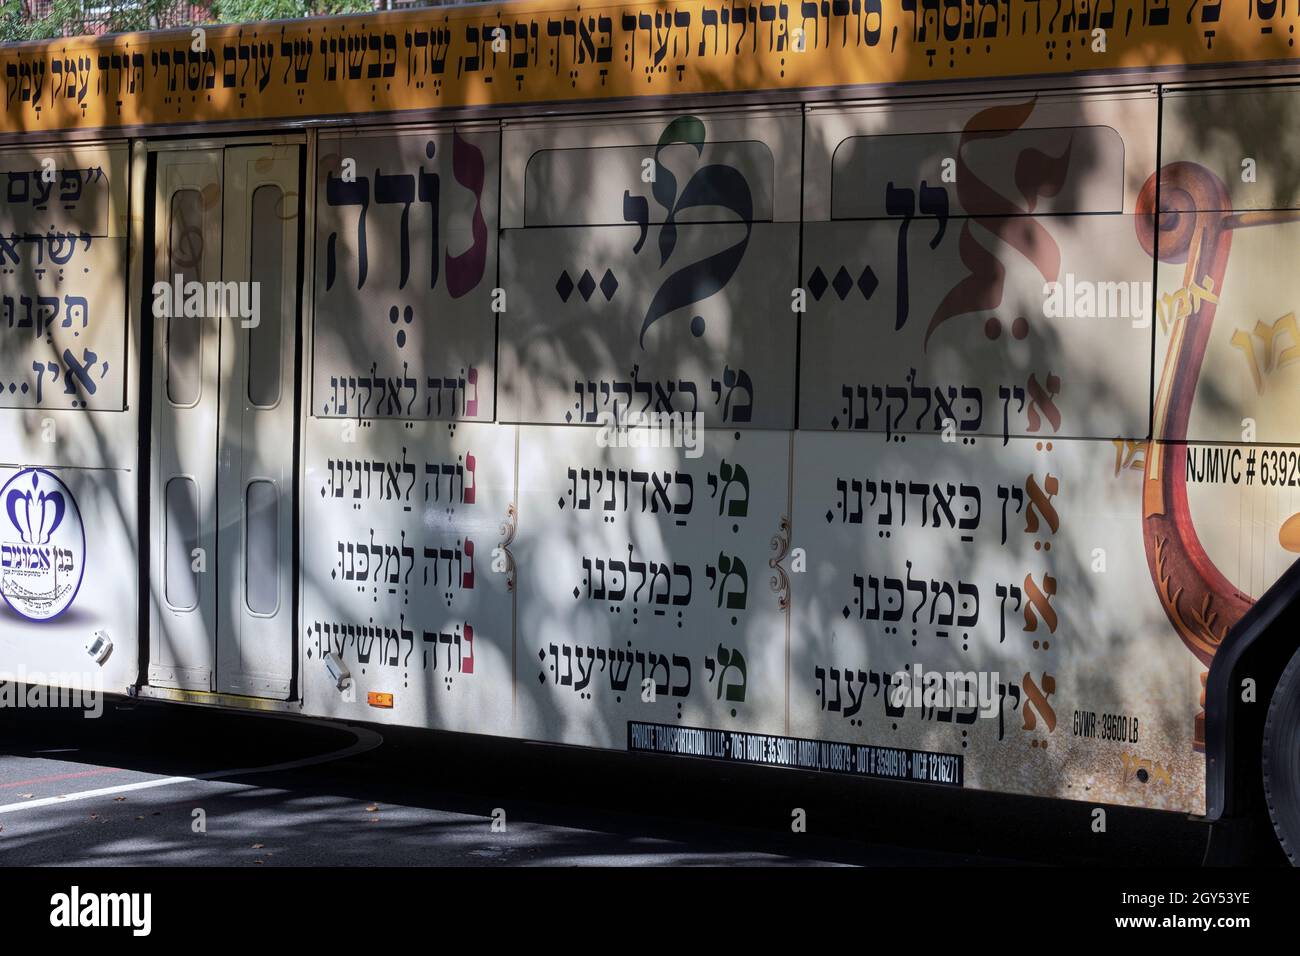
{"points": [[1258, 647]]}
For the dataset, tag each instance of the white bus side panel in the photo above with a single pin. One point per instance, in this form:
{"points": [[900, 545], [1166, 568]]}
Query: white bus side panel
{"points": [[1012, 570], [404, 491], [68, 420], [971, 488], [644, 585]]}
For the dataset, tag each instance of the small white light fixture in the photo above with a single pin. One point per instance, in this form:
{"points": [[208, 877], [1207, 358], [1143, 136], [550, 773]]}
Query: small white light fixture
{"points": [[338, 673], [99, 646]]}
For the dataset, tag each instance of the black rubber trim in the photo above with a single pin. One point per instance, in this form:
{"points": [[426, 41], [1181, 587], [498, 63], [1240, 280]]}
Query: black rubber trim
{"points": [[1281, 760], [144, 421], [1220, 695]]}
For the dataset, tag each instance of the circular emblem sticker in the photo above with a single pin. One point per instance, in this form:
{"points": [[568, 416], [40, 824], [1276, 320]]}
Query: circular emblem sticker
{"points": [[42, 545]]}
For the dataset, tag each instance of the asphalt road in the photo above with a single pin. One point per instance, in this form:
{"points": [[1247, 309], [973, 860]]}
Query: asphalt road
{"points": [[184, 786]]}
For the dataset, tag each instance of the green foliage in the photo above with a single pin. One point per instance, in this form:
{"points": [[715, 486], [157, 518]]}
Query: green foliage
{"points": [[15, 24], [252, 11], [75, 17], [125, 16], [12, 27]]}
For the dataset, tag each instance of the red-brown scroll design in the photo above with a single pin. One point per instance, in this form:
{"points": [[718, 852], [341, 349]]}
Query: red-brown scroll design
{"points": [[1193, 226]]}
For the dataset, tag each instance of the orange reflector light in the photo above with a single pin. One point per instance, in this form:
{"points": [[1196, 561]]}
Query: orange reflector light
{"points": [[375, 699]]}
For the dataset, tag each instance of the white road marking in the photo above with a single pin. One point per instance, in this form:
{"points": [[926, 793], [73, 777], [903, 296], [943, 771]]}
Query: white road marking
{"points": [[366, 740]]}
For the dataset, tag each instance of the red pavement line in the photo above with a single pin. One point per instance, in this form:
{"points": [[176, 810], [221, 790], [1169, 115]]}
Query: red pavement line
{"points": [[61, 776]]}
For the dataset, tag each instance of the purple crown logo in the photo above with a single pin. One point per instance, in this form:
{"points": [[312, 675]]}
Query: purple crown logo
{"points": [[35, 518]]}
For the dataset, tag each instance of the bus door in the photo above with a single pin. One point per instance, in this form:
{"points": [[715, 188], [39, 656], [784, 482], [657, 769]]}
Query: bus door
{"points": [[224, 300]]}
